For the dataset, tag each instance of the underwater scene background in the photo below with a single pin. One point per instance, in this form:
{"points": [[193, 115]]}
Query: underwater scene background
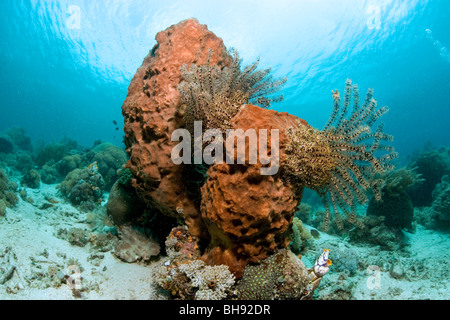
{"points": [[90, 207]]}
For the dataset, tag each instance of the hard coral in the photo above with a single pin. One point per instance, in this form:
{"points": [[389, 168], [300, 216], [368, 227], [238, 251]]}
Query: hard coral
{"points": [[441, 203], [438, 215], [395, 204], [432, 166], [83, 187], [301, 236], [7, 190], [212, 282], [109, 158], [31, 179], [181, 246], [135, 245], [280, 276]]}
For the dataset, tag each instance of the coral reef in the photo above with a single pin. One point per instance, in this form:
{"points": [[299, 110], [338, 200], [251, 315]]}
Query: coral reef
{"points": [[196, 280], [213, 282], [31, 179], [345, 259], [437, 216], [125, 177], [67, 164], [181, 247], [52, 153], [339, 162], [279, 276], [432, 165], [375, 232], [24, 162], [243, 217], [151, 113], [109, 158], [395, 204], [135, 246], [49, 174], [83, 187], [55, 161]]}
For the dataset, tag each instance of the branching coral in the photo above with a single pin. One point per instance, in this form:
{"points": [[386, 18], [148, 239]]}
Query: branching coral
{"points": [[213, 95], [280, 276], [300, 236], [340, 162], [213, 282]]}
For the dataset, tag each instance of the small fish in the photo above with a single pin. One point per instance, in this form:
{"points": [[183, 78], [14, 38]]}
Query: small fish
{"points": [[115, 122], [315, 233], [117, 129]]}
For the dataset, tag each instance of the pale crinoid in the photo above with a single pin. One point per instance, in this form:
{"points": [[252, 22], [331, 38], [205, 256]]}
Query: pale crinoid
{"points": [[214, 94], [342, 162]]}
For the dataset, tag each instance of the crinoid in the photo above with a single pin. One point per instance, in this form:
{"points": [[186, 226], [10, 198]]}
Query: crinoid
{"points": [[214, 94], [342, 162]]}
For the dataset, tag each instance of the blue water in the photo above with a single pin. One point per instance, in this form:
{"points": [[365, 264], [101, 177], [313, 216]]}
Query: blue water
{"points": [[66, 65]]}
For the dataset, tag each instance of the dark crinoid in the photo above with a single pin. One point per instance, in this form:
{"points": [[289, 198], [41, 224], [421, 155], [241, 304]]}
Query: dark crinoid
{"points": [[214, 94], [344, 160]]}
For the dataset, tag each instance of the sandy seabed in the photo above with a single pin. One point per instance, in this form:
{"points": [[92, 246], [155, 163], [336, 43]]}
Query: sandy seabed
{"points": [[29, 236]]}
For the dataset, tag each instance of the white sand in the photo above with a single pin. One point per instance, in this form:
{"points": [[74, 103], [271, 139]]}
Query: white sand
{"points": [[29, 231], [419, 271]]}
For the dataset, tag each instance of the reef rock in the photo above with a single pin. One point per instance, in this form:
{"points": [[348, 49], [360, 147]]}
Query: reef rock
{"points": [[248, 214], [151, 113]]}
